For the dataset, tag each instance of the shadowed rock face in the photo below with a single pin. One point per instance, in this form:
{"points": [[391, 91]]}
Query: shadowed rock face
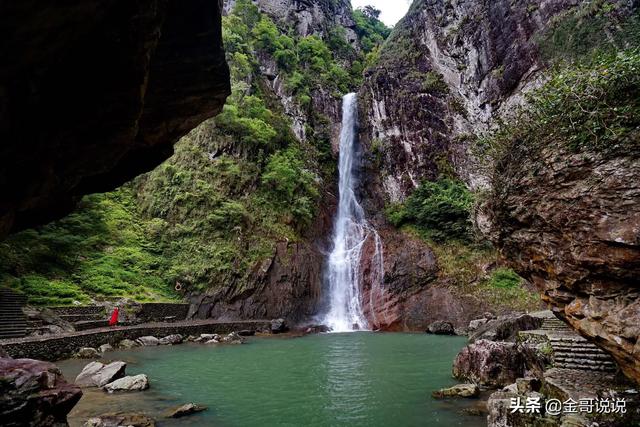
{"points": [[571, 224], [96, 92], [34, 393]]}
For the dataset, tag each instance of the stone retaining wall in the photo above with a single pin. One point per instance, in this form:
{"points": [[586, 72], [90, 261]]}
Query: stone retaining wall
{"points": [[64, 346], [159, 311]]}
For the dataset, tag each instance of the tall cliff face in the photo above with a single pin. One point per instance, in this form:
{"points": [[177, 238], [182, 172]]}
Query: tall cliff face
{"points": [[102, 101], [565, 220], [445, 72]]}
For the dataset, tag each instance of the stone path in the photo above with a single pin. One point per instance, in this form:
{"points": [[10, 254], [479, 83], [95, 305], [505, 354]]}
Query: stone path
{"points": [[60, 346]]}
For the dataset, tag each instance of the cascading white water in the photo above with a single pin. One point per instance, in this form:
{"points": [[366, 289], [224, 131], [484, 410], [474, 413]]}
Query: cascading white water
{"points": [[351, 232]]}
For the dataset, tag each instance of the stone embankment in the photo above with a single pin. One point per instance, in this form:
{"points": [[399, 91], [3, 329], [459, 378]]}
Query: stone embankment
{"points": [[55, 347]]}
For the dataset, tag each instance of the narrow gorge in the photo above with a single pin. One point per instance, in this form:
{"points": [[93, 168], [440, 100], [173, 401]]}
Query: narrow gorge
{"points": [[300, 166]]}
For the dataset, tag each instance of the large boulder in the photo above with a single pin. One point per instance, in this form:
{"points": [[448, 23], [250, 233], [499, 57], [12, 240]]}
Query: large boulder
{"points": [[97, 374], [278, 326], [440, 327], [34, 393], [504, 328], [496, 364], [103, 102], [129, 383]]}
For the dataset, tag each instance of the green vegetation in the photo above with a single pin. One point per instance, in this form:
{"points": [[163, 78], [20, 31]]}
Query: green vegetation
{"points": [[441, 210], [592, 106], [433, 82], [463, 267], [504, 278], [235, 186], [102, 250], [591, 27]]}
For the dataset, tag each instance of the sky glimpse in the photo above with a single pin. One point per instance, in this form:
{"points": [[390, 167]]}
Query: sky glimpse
{"points": [[392, 10]]}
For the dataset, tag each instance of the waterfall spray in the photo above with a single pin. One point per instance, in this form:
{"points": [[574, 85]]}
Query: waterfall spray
{"points": [[351, 232]]}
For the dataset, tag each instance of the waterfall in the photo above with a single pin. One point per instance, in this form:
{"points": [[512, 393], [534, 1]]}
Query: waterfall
{"points": [[350, 235]]}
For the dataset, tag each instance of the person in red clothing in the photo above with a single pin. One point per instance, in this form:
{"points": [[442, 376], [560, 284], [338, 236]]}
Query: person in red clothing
{"points": [[114, 317]]}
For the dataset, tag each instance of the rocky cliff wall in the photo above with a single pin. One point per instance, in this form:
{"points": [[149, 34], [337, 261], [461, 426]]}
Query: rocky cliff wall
{"points": [[566, 221], [97, 92]]}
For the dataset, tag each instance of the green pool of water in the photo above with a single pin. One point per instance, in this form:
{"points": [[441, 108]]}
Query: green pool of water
{"points": [[354, 379]]}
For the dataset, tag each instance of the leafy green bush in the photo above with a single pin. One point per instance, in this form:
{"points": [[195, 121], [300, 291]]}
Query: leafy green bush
{"points": [[504, 278], [594, 106], [291, 185], [441, 209]]}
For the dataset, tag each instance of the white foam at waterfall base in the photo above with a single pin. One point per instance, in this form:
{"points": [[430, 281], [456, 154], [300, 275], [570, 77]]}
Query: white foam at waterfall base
{"points": [[350, 233]]}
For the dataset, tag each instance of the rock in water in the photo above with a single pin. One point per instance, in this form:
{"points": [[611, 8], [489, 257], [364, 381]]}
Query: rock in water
{"points": [[128, 383], [186, 409], [496, 364], [148, 340], [87, 353], [3, 353], [170, 339], [120, 419], [458, 390], [126, 344], [232, 338], [97, 374], [105, 348], [34, 393], [440, 327], [278, 325]]}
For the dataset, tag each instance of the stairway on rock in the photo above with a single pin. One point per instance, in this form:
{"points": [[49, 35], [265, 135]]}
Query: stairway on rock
{"points": [[571, 351], [13, 322]]}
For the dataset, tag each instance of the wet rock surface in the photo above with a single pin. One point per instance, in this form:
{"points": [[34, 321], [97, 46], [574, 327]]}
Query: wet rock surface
{"points": [[35, 393], [186, 409], [458, 390]]}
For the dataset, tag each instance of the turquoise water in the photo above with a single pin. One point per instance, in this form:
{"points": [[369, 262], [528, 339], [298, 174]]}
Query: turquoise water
{"points": [[353, 379]]}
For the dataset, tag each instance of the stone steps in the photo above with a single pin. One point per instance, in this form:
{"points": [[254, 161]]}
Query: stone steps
{"points": [[13, 322]]}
